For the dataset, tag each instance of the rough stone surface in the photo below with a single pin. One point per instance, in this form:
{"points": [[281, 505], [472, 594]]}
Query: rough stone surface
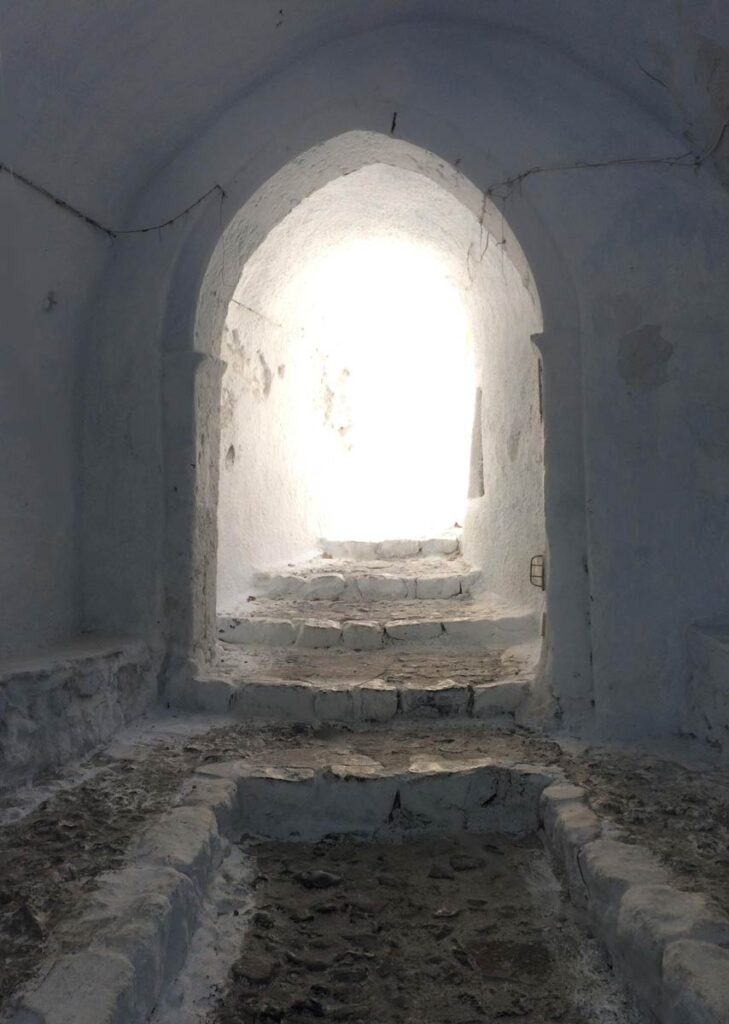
{"points": [[499, 629], [92, 987], [443, 698], [413, 630], [186, 839], [362, 795], [609, 869], [133, 935], [486, 621], [440, 546], [696, 983], [377, 701], [212, 694], [363, 636], [619, 781], [291, 702], [651, 917], [319, 633], [383, 588], [487, 936], [499, 698], [276, 632], [216, 795], [325, 588], [398, 548], [438, 588], [58, 706]]}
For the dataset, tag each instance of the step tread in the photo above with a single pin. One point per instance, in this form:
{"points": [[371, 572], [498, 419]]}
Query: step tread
{"points": [[440, 545], [410, 568], [383, 686], [423, 579], [453, 609], [414, 666]]}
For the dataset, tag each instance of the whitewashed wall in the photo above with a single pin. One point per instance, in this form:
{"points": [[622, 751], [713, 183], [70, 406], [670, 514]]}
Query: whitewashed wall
{"points": [[629, 254], [336, 423]]}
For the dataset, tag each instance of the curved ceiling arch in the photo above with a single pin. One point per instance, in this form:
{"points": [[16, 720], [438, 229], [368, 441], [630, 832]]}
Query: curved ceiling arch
{"points": [[301, 178], [118, 92]]}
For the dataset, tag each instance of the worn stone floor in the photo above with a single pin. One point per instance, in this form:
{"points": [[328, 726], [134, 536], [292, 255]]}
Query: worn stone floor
{"points": [[460, 929], [425, 663], [59, 835]]}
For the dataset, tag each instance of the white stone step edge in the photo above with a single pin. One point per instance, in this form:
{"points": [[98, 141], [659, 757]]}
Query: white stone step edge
{"points": [[376, 700], [369, 586], [493, 630], [670, 945], [366, 551]]}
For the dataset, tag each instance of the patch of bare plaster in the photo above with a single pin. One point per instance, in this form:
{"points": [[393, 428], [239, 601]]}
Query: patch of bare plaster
{"points": [[253, 371], [266, 375], [336, 406], [643, 358]]}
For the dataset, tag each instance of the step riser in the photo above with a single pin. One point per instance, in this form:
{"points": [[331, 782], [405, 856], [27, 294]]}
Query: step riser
{"points": [[366, 551], [308, 804], [506, 631], [375, 587], [311, 703]]}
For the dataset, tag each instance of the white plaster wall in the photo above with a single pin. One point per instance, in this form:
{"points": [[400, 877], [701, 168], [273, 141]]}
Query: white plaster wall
{"points": [[348, 413], [505, 527], [224, 94], [449, 89], [43, 299]]}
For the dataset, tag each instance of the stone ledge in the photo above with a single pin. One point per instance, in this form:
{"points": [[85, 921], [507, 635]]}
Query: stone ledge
{"points": [[670, 943], [60, 704], [569, 825], [653, 916], [134, 936], [695, 983]]}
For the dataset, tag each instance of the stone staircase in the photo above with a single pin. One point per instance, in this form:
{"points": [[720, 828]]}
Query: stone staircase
{"points": [[368, 632], [363, 596]]}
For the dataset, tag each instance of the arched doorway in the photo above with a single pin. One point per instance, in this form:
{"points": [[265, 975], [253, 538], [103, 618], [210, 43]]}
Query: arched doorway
{"points": [[276, 492], [191, 397], [380, 383]]}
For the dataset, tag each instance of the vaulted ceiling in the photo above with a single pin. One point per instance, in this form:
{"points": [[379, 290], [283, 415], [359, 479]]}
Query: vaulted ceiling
{"points": [[100, 94]]}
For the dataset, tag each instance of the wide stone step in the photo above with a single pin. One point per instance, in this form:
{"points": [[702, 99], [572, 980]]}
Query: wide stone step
{"points": [[339, 686], [423, 579], [446, 544], [314, 702], [488, 622]]}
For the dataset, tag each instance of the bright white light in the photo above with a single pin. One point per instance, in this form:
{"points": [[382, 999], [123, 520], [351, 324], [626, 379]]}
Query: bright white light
{"points": [[383, 399]]}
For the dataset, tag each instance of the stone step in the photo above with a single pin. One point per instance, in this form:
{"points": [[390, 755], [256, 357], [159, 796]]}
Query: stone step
{"points": [[313, 702], [488, 622], [361, 795], [424, 579], [448, 543], [346, 687]]}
